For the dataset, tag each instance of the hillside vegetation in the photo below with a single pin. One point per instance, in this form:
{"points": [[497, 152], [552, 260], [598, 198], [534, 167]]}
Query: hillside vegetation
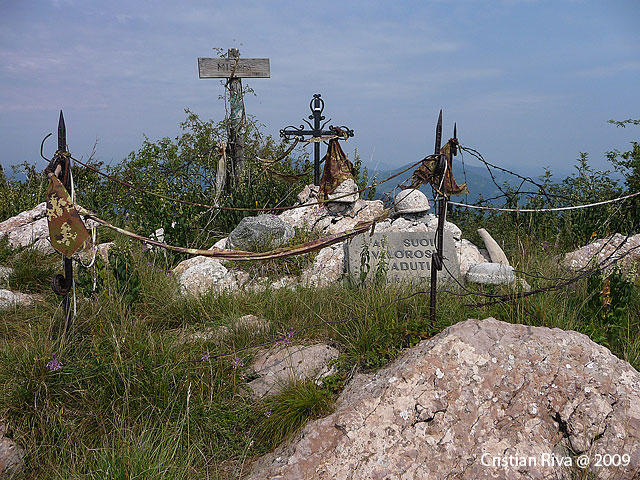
{"points": [[130, 397]]}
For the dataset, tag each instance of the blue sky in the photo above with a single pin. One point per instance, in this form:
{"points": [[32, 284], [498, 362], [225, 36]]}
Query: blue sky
{"points": [[530, 83]]}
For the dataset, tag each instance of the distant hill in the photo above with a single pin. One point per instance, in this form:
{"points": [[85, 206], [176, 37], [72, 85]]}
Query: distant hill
{"points": [[478, 181]]}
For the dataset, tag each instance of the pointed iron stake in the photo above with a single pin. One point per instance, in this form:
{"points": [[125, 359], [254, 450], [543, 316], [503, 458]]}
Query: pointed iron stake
{"points": [[62, 284], [437, 258]]}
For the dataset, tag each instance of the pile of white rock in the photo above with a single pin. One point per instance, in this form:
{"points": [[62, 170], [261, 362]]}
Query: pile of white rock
{"points": [[343, 211]]}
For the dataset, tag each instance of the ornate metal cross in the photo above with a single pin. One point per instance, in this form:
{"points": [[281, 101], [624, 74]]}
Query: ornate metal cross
{"points": [[316, 131]]}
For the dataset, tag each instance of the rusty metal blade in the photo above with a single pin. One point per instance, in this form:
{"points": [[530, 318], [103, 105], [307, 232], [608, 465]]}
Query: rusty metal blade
{"points": [[438, 134], [62, 134]]}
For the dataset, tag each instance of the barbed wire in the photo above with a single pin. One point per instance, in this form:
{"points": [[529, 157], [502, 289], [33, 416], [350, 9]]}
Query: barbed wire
{"points": [[245, 209]]}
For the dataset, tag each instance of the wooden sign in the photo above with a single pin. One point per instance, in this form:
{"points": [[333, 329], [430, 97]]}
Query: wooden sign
{"points": [[233, 67]]}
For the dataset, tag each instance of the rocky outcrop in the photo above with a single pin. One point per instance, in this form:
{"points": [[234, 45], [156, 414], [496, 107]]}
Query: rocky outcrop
{"points": [[328, 266], [28, 228], [609, 251], [278, 367], [259, 234], [478, 391]]}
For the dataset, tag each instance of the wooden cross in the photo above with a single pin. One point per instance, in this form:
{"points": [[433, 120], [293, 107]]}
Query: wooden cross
{"points": [[234, 68]]}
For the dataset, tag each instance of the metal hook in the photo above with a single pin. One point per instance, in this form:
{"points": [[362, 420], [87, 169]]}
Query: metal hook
{"points": [[42, 147]]}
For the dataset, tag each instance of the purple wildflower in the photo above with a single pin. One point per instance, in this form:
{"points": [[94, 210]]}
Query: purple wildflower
{"points": [[54, 364], [145, 248], [205, 357], [149, 264], [237, 362], [169, 273], [267, 413], [545, 245], [286, 339]]}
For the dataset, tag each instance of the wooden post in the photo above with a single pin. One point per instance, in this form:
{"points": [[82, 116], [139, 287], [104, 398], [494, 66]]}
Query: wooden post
{"points": [[236, 120], [234, 68]]}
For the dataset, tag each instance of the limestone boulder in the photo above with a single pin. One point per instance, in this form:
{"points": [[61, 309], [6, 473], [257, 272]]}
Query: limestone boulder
{"points": [[477, 391], [28, 228], [304, 217], [431, 221], [609, 251], [278, 367], [261, 233], [468, 254], [199, 275], [490, 274], [309, 194], [326, 269], [346, 192]]}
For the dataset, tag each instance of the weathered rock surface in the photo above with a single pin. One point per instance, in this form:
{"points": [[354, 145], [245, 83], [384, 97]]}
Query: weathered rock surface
{"points": [[490, 274], [279, 366], [11, 455], [468, 254], [478, 388], [309, 194], [261, 233], [10, 299], [28, 228], [614, 249], [346, 192], [327, 267], [410, 201], [200, 274]]}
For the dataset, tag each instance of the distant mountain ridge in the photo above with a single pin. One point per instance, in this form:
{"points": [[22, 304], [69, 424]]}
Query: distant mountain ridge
{"points": [[478, 179]]}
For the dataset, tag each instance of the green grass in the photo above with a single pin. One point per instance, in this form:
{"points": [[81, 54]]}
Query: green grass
{"points": [[133, 401]]}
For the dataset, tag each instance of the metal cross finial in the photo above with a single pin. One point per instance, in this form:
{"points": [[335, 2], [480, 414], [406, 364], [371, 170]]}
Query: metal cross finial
{"points": [[316, 130]]}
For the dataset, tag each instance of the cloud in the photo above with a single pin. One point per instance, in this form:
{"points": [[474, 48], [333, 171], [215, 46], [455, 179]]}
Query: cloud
{"points": [[610, 70]]}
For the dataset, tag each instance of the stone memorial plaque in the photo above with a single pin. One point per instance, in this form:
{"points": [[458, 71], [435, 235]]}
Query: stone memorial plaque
{"points": [[406, 256]]}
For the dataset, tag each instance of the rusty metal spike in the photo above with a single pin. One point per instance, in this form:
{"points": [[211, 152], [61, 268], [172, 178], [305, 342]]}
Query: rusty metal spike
{"points": [[62, 134], [438, 134]]}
